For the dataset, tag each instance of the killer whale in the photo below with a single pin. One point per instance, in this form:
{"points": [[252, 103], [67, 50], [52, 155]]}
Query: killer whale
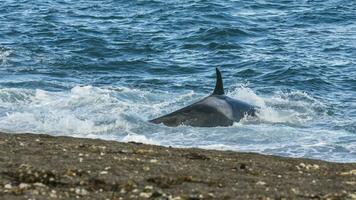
{"points": [[214, 110]]}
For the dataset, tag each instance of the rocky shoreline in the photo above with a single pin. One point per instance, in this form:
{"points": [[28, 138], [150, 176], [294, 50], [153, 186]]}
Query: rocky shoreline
{"points": [[36, 166]]}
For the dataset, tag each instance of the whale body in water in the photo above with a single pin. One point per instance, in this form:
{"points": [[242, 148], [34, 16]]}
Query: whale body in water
{"points": [[214, 110]]}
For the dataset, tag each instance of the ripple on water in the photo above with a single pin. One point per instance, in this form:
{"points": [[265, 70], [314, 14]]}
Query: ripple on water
{"points": [[91, 69]]}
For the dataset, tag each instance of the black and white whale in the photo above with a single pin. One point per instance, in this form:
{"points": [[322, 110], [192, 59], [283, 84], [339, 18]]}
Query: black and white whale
{"points": [[214, 110]]}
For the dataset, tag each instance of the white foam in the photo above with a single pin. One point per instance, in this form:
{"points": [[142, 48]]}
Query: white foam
{"points": [[294, 107], [132, 137], [83, 110], [284, 127], [248, 95], [4, 55], [222, 147]]}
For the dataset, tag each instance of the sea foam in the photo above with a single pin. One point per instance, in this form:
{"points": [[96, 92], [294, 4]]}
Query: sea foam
{"points": [[286, 123]]}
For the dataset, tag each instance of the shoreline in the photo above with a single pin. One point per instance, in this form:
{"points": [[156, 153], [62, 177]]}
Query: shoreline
{"points": [[40, 166]]}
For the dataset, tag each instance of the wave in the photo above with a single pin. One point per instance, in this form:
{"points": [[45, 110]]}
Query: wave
{"points": [[88, 109], [121, 113], [4, 55], [294, 108]]}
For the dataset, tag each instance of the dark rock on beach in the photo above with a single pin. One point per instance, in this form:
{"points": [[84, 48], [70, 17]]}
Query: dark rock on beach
{"points": [[44, 167]]}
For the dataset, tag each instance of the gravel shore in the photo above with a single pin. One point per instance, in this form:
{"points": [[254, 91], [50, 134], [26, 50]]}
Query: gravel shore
{"points": [[36, 166]]}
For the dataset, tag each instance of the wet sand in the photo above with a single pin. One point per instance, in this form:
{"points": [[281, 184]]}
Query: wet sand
{"points": [[44, 167]]}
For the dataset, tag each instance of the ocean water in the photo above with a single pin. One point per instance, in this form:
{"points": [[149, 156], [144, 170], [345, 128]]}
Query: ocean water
{"points": [[102, 69]]}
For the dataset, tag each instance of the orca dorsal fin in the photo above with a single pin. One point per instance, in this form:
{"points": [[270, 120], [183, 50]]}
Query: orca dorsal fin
{"points": [[219, 87]]}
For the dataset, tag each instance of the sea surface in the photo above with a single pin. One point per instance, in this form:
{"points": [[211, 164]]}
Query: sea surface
{"points": [[102, 69]]}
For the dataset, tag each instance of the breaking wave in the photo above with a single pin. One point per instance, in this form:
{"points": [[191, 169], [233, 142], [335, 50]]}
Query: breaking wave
{"points": [[285, 123]]}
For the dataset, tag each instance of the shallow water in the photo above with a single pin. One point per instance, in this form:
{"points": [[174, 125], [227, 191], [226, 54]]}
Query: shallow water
{"points": [[85, 69]]}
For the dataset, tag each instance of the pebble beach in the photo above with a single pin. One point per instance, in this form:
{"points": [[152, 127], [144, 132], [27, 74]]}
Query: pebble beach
{"points": [[35, 166]]}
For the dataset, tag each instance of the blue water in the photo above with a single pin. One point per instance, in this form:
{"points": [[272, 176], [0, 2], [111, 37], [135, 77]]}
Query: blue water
{"points": [[101, 69]]}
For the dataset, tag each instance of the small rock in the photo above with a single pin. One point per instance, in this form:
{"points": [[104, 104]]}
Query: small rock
{"points": [[261, 183], [197, 156], [315, 166], [103, 172], [156, 194], [39, 185], [53, 194], [351, 182], [81, 191], [153, 161], [174, 198], [295, 190], [8, 186], [149, 187], [352, 172], [24, 186], [211, 195], [145, 194], [308, 166], [352, 196]]}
